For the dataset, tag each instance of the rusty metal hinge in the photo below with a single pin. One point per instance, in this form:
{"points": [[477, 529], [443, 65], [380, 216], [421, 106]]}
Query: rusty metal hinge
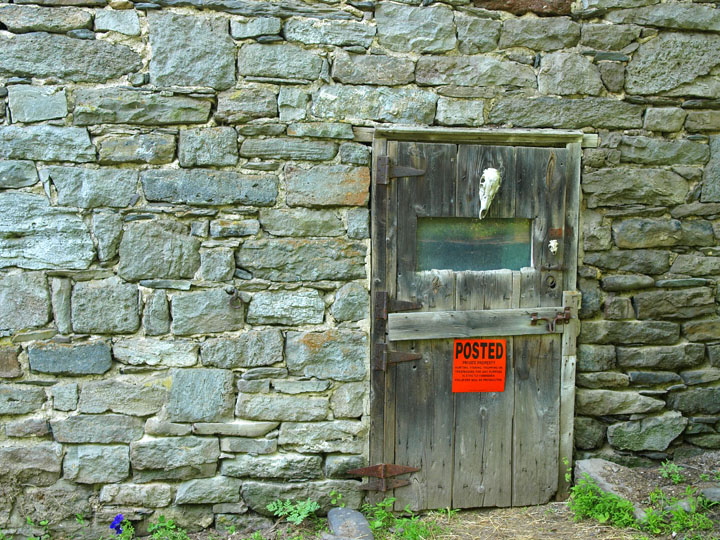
{"points": [[384, 305], [387, 170], [383, 357], [380, 476]]}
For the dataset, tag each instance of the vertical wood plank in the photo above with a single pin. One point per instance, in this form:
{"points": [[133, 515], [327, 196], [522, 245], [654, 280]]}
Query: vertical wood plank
{"points": [[572, 210], [425, 410]]}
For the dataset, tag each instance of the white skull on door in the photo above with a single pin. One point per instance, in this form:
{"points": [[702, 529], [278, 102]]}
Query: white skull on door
{"points": [[489, 186]]}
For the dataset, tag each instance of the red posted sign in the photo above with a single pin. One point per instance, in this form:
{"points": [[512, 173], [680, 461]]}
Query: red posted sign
{"points": [[479, 365]]}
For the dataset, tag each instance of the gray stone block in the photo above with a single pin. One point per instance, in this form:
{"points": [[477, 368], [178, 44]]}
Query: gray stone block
{"points": [[675, 304], [233, 228], [675, 16], [46, 143], [250, 349], [328, 185], [711, 175], [205, 312], [702, 120], [284, 61], [337, 465], [541, 34], [107, 306], [154, 148], [283, 408], [159, 427], [156, 315], [329, 32], [217, 264], [28, 427], [696, 401], [650, 151], [9, 365], [261, 26], [17, 174], [418, 29], [20, 19], [93, 188], [322, 130], [706, 330], [476, 35], [219, 489], [155, 495], [209, 187], [347, 400], [191, 51], [360, 103], [352, 303], [258, 495], [695, 265], [301, 222], [236, 428], [242, 104], [79, 359], [107, 228], [645, 261], [127, 106], [604, 402], [134, 398], [95, 428], [248, 446], [208, 146], [288, 148], [91, 464], [172, 453], [473, 71], [664, 118], [596, 232], [602, 379], [286, 308], [609, 37], [372, 69], [344, 436], [653, 66], [348, 523], [595, 357], [20, 399], [64, 396], [629, 332], [700, 376], [39, 464], [565, 74], [333, 354], [124, 22], [36, 103], [158, 249], [24, 301], [285, 386], [460, 112], [622, 186], [302, 259], [653, 378], [43, 56], [354, 153], [201, 395], [288, 466], [673, 357], [358, 223], [626, 282], [589, 433]]}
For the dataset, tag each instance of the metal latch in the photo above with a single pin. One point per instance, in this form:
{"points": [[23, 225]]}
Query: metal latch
{"points": [[560, 317], [384, 305], [383, 357], [380, 476], [386, 170]]}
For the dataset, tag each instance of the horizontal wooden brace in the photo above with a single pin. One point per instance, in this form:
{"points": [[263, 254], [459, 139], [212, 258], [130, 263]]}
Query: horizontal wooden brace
{"points": [[470, 324]]}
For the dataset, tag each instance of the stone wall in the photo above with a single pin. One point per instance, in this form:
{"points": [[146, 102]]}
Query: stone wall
{"points": [[184, 251]]}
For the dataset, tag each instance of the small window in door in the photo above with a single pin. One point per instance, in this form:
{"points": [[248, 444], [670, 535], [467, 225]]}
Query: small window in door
{"points": [[473, 244]]}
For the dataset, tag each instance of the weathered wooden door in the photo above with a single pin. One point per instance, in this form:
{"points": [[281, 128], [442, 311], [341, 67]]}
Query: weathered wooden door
{"points": [[509, 276]]}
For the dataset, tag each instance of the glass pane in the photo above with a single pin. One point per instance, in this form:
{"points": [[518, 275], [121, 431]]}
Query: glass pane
{"points": [[473, 244]]}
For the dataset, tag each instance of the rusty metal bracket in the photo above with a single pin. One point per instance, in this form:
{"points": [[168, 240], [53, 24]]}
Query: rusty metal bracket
{"points": [[383, 357], [384, 305], [380, 476], [386, 170], [560, 317]]}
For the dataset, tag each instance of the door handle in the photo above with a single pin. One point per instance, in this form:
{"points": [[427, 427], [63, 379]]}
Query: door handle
{"points": [[560, 317]]}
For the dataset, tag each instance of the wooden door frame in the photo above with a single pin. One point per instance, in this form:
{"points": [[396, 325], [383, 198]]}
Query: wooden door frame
{"points": [[382, 273]]}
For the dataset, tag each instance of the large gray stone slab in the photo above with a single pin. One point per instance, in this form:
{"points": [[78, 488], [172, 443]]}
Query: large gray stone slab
{"points": [[205, 312], [127, 106], [24, 301], [566, 113], [93, 188], [219, 489], [301, 222], [372, 69], [288, 466], [134, 398], [46, 143], [629, 332], [17, 173], [288, 148], [174, 452], [209, 187], [347, 400], [565, 74], [39, 464], [235, 429], [603, 402], [300, 259], [283, 61], [653, 67], [286, 308], [258, 495], [352, 303], [260, 26], [695, 265], [246, 445], [95, 428], [711, 174], [595, 357], [64, 396], [251, 8], [673, 357], [651, 151], [334, 354], [239, 105], [652, 232], [158, 249], [645, 261], [20, 398], [460, 112], [188, 50], [80, 359], [282, 408], [106, 306], [153, 148], [475, 34], [93, 464], [337, 465], [609, 37], [418, 29], [542, 34], [589, 433], [359, 103], [696, 400], [153, 495], [673, 15], [329, 32], [703, 330], [654, 433], [208, 146], [201, 395], [328, 185], [43, 56], [19, 19], [36, 103], [622, 186], [253, 348], [473, 71], [9, 364], [349, 523], [124, 21], [155, 352], [217, 264], [344, 436], [675, 304]]}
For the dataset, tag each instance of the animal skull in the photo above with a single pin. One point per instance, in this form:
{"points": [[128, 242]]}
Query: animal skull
{"points": [[489, 185]]}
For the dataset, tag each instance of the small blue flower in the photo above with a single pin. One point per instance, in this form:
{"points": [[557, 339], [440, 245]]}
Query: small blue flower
{"points": [[117, 524]]}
